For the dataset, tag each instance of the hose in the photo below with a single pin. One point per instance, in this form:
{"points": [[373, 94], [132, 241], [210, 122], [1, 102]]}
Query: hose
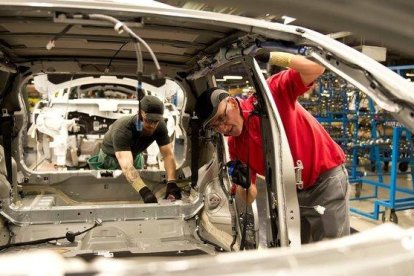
{"points": [[120, 27]]}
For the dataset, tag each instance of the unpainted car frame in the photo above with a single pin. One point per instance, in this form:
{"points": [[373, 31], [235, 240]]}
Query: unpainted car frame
{"points": [[207, 218]]}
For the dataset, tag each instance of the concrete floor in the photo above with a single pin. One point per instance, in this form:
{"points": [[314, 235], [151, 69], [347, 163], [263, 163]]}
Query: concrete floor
{"points": [[405, 217]]}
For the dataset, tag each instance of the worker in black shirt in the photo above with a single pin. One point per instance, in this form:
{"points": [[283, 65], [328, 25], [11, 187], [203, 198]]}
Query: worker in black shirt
{"points": [[129, 136]]}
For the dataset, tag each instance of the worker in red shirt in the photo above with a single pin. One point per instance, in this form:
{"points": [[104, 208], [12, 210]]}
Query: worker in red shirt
{"points": [[325, 179]]}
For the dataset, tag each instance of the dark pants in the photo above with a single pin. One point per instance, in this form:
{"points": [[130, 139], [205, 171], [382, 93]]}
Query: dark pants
{"points": [[331, 192]]}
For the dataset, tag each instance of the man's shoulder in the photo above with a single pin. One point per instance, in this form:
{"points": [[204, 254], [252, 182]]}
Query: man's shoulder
{"points": [[122, 126], [123, 122], [247, 106], [162, 127], [246, 103]]}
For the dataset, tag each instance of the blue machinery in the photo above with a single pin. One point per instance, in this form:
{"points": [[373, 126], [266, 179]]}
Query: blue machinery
{"points": [[331, 107]]}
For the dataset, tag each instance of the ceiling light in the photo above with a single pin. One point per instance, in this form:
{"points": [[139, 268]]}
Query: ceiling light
{"points": [[409, 74], [219, 80], [287, 19], [232, 77], [339, 35]]}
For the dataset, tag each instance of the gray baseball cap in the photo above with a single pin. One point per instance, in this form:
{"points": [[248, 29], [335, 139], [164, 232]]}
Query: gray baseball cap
{"points": [[153, 107], [208, 102]]}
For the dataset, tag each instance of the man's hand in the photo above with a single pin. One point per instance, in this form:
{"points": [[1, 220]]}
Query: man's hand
{"points": [[173, 192], [147, 195], [239, 173], [264, 57]]}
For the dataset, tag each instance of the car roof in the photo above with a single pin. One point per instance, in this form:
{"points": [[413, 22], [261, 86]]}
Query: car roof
{"points": [[184, 41]]}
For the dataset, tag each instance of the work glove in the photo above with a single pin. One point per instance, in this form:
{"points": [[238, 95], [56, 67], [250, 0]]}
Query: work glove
{"points": [[239, 173], [147, 195], [173, 192], [264, 57], [280, 59]]}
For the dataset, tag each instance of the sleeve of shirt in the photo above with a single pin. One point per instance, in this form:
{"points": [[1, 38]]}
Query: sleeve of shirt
{"points": [[121, 140], [162, 138], [287, 84]]}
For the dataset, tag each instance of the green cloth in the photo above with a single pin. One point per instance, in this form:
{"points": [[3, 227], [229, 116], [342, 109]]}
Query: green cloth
{"points": [[103, 161]]}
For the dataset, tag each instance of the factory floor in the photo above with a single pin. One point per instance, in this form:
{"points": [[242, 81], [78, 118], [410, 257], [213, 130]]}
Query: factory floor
{"points": [[405, 217]]}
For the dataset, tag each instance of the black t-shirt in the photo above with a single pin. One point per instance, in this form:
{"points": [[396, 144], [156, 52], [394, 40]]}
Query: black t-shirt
{"points": [[123, 136]]}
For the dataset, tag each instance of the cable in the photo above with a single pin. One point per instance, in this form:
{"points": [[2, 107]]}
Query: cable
{"points": [[51, 44], [140, 72], [243, 240], [70, 236], [140, 61], [116, 53], [233, 223], [120, 27]]}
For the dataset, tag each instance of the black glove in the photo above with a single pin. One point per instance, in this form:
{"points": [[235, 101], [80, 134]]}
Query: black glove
{"points": [[172, 190], [264, 57], [239, 173], [147, 195]]}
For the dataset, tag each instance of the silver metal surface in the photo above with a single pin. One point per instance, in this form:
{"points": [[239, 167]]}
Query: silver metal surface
{"points": [[281, 173], [186, 44]]}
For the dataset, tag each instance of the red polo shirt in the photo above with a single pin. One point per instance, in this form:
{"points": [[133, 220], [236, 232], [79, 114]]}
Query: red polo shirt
{"points": [[308, 140]]}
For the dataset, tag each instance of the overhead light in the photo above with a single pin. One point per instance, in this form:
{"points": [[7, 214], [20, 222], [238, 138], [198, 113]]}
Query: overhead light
{"points": [[339, 35], [409, 74], [232, 77], [220, 80], [287, 19]]}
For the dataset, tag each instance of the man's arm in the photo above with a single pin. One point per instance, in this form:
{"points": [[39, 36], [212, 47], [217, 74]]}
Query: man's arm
{"points": [[172, 191], [126, 162], [309, 71], [169, 161]]}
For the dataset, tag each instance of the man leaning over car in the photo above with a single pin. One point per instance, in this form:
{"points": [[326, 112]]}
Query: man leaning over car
{"points": [[128, 136], [325, 180]]}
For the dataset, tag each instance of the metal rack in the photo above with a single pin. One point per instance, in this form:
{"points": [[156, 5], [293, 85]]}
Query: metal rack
{"points": [[329, 104], [391, 203]]}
